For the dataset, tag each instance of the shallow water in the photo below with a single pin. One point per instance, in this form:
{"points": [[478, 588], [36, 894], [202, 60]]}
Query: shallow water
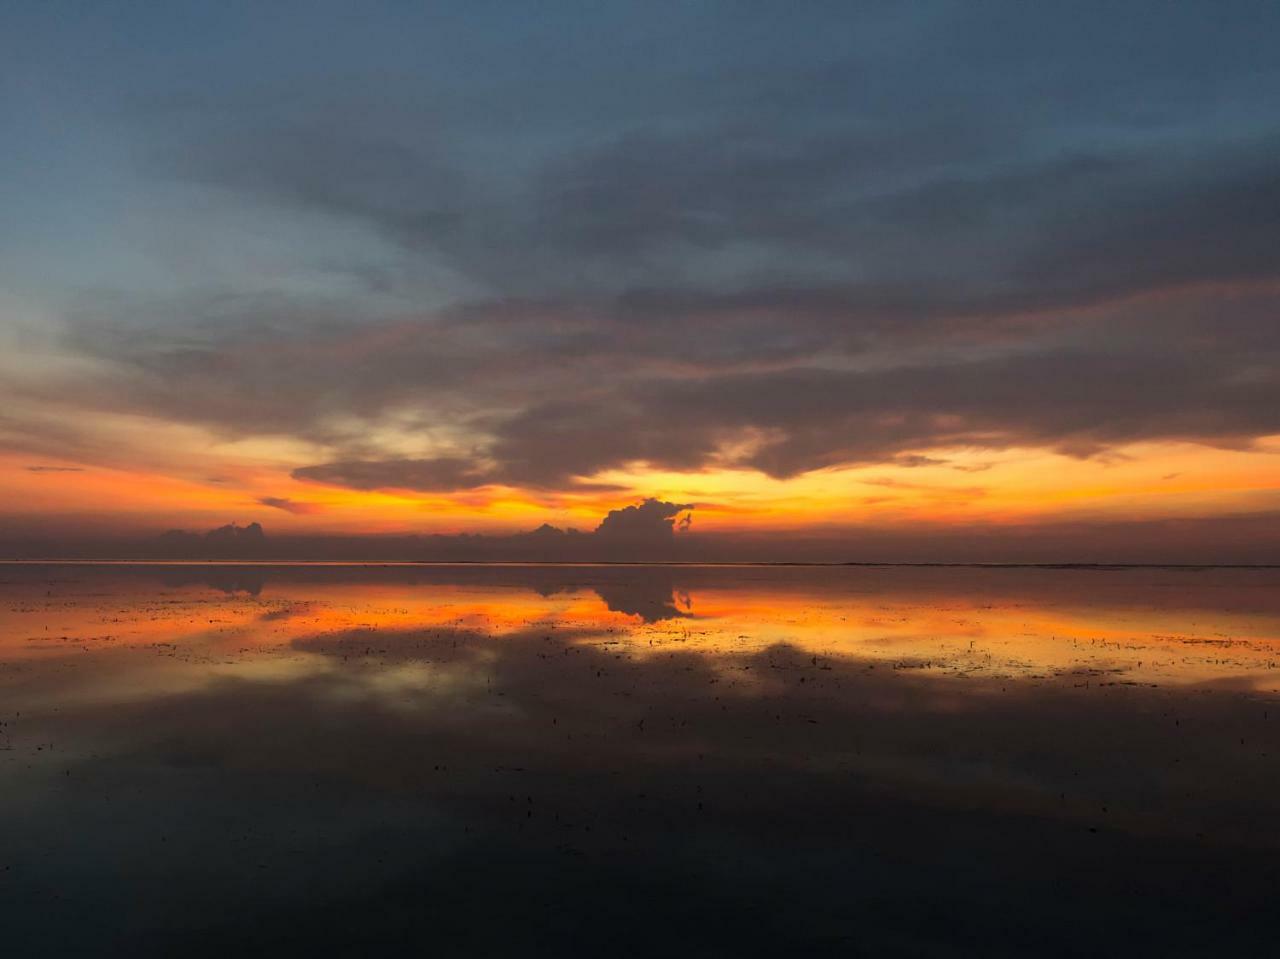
{"points": [[347, 760]]}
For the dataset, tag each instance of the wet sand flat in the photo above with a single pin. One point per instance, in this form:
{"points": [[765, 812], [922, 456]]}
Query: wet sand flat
{"points": [[553, 760]]}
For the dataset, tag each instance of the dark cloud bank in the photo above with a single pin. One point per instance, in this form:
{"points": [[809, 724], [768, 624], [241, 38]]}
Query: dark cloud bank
{"points": [[837, 251]]}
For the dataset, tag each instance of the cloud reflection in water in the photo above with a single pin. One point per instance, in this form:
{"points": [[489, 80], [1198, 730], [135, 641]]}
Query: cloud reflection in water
{"points": [[493, 760]]}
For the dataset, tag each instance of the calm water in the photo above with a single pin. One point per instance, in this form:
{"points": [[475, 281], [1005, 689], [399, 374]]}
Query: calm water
{"points": [[474, 761]]}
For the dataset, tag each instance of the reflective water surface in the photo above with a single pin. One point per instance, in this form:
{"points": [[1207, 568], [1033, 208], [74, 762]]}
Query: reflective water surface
{"points": [[469, 760]]}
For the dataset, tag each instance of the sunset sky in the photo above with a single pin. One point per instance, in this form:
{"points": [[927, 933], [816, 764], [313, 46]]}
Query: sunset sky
{"points": [[816, 269]]}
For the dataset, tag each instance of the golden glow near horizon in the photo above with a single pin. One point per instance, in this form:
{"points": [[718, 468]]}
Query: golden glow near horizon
{"points": [[67, 465], [238, 482]]}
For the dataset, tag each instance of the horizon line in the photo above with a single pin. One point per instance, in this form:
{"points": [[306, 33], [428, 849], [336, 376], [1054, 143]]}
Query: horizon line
{"points": [[595, 563]]}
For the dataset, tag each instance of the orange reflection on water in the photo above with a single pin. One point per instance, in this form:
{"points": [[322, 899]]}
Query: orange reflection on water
{"points": [[182, 625]]}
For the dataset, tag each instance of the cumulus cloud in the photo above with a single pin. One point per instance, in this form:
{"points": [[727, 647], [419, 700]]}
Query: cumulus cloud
{"points": [[652, 520]]}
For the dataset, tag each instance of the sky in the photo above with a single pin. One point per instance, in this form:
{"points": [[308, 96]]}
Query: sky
{"points": [[825, 272]]}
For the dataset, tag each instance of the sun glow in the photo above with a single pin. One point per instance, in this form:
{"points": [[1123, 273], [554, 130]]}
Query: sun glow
{"points": [[941, 486]]}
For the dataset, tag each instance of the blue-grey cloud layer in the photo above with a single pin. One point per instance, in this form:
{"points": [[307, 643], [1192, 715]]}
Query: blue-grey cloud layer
{"points": [[582, 237]]}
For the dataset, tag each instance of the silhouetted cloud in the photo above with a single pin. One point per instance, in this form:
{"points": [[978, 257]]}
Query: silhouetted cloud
{"points": [[55, 469], [441, 473], [298, 508], [251, 533], [644, 531], [651, 521], [913, 460], [229, 541]]}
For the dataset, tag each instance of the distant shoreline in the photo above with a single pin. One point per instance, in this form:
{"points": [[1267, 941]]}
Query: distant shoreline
{"points": [[1191, 567]]}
